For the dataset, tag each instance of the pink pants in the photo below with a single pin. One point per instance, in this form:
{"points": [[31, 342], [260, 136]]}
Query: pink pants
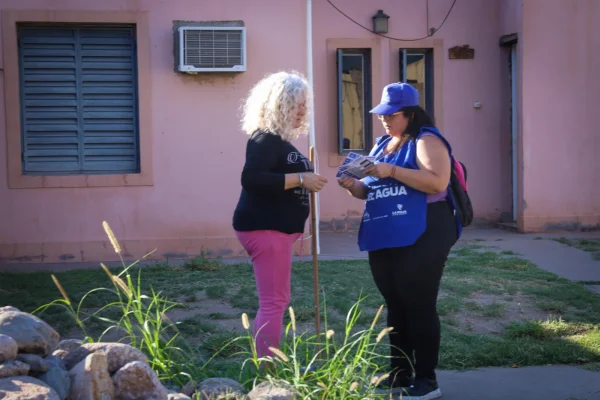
{"points": [[271, 253]]}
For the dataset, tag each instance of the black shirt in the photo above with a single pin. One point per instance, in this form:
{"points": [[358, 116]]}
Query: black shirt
{"points": [[264, 203]]}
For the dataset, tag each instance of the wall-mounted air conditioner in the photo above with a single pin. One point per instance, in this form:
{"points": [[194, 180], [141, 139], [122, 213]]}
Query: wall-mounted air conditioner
{"points": [[211, 49]]}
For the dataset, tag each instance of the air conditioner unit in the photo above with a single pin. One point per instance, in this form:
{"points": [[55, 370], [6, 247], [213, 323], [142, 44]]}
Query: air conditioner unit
{"points": [[211, 49]]}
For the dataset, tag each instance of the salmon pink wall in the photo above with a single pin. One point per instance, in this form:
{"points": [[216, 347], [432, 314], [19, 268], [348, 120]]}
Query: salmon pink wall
{"points": [[198, 147], [511, 14], [480, 137], [561, 94]]}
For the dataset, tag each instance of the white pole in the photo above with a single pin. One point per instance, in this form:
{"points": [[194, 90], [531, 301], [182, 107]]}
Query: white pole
{"points": [[311, 135]]}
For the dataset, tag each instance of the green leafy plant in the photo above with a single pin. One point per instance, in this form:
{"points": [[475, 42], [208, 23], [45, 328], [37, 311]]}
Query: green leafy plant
{"points": [[140, 319], [324, 366]]}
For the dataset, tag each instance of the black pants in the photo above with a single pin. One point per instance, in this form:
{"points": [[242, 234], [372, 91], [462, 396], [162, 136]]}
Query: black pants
{"points": [[409, 280]]}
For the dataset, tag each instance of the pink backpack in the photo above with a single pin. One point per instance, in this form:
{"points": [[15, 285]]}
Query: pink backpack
{"points": [[458, 191], [461, 173]]}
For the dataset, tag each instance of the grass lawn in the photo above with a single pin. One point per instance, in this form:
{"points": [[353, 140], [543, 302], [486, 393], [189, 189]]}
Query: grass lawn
{"points": [[589, 245], [496, 309]]}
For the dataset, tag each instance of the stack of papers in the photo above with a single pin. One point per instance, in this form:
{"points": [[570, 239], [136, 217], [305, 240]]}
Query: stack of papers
{"points": [[354, 166]]}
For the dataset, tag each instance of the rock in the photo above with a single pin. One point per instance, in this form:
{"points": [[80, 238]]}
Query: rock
{"points": [[54, 360], [60, 354], [69, 345], [90, 379], [8, 348], [32, 335], [117, 354], [25, 388], [58, 379], [272, 391], [221, 388], [36, 363], [8, 308], [189, 389], [137, 381], [13, 368], [178, 396]]}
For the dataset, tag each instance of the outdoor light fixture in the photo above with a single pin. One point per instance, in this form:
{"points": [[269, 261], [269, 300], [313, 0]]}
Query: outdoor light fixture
{"points": [[380, 22]]}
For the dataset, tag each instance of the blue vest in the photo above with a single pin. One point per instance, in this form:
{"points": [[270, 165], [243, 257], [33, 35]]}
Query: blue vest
{"points": [[395, 214]]}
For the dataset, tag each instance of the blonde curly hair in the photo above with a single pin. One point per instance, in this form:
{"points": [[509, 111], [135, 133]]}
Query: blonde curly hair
{"points": [[273, 103]]}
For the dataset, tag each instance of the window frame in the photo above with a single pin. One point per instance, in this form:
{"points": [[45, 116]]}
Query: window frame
{"points": [[10, 59], [367, 54], [428, 54]]}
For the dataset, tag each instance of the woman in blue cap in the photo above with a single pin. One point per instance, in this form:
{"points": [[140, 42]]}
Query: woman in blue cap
{"points": [[408, 229]]}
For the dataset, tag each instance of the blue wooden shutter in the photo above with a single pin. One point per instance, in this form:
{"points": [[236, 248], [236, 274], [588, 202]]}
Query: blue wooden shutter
{"points": [[109, 100], [79, 100], [49, 115]]}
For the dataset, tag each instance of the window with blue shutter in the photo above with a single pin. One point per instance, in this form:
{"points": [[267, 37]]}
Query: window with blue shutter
{"points": [[79, 106]]}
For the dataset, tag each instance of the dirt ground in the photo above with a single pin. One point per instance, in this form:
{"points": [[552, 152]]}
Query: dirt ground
{"points": [[472, 319], [509, 309]]}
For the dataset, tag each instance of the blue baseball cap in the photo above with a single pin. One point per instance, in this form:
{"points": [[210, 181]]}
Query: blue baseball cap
{"points": [[394, 97]]}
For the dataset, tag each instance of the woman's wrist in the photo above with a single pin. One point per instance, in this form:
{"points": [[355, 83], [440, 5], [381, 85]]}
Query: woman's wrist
{"points": [[301, 179], [358, 189]]}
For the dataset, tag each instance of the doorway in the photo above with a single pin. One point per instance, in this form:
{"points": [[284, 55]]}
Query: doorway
{"points": [[512, 63]]}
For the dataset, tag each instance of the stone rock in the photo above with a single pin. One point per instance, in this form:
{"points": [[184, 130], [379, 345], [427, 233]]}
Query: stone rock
{"points": [[8, 348], [36, 363], [272, 391], [60, 354], [189, 389], [8, 308], [13, 368], [54, 360], [221, 389], [32, 335], [69, 345], [137, 381], [58, 379], [90, 379], [117, 354], [25, 388], [178, 396]]}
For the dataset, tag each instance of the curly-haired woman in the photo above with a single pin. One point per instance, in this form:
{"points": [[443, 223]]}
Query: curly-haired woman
{"points": [[274, 204]]}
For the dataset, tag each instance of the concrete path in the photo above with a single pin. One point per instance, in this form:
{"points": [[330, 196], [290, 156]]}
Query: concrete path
{"points": [[550, 255], [547, 254], [535, 383]]}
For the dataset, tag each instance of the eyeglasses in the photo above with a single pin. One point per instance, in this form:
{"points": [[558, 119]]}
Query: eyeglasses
{"points": [[388, 117]]}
